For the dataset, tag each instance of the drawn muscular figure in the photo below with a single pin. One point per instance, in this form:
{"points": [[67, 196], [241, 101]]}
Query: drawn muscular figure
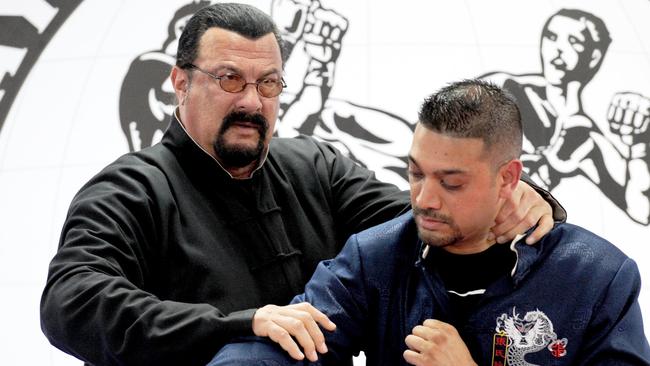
{"points": [[147, 98], [374, 138], [560, 139]]}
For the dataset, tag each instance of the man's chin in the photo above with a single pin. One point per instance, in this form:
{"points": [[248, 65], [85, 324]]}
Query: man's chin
{"points": [[238, 156], [436, 240]]}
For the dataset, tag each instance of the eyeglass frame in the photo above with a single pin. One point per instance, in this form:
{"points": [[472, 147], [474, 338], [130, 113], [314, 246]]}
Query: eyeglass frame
{"points": [[257, 83]]}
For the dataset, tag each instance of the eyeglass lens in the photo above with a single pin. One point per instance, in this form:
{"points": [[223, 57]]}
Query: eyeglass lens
{"points": [[234, 83]]}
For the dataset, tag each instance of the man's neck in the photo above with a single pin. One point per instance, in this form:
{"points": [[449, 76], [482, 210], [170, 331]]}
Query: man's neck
{"points": [[240, 172]]}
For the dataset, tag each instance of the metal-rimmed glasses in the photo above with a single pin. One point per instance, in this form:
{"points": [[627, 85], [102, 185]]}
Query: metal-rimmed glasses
{"points": [[234, 83]]}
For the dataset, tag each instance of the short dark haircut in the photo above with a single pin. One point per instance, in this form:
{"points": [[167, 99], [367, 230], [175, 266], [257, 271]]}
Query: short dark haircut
{"points": [[242, 19], [475, 108]]}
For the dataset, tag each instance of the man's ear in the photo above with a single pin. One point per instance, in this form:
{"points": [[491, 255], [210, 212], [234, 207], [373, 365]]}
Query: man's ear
{"points": [[510, 174], [180, 82]]}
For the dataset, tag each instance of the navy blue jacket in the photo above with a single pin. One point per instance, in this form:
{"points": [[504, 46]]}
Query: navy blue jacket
{"points": [[575, 292]]}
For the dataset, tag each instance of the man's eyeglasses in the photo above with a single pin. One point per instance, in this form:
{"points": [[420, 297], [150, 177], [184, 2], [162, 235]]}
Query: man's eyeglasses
{"points": [[233, 83]]}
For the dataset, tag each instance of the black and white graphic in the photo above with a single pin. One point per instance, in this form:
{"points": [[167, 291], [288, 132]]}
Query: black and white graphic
{"points": [[25, 31], [373, 137], [147, 97], [561, 138]]}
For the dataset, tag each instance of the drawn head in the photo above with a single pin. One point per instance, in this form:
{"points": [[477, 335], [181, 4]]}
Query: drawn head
{"points": [[178, 22], [572, 46]]}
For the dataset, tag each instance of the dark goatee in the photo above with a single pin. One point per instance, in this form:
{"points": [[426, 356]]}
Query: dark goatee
{"points": [[233, 155]]}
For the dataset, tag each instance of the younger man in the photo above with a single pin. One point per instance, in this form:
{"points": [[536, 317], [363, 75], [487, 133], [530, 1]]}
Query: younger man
{"points": [[431, 288]]}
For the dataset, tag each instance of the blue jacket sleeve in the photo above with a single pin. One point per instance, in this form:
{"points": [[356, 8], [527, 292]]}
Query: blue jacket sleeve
{"points": [[337, 288], [615, 335]]}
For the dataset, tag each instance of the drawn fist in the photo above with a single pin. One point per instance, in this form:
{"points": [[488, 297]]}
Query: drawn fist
{"points": [[290, 17], [628, 116], [323, 33]]}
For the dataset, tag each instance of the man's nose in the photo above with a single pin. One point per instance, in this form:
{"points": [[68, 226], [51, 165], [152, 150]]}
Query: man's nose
{"points": [[250, 100], [428, 197]]}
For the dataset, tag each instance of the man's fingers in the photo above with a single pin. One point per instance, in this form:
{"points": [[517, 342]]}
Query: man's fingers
{"points": [[412, 357], [508, 208], [317, 315], [530, 209], [528, 221], [280, 336], [294, 327], [299, 330], [509, 226], [415, 343], [311, 318], [544, 225]]}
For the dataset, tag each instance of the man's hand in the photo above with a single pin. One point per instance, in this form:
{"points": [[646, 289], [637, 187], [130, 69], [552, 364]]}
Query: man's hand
{"points": [[297, 322], [436, 343], [523, 210]]}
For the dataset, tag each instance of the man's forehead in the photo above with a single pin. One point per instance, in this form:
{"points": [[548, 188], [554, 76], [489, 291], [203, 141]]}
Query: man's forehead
{"points": [[219, 42], [432, 151]]}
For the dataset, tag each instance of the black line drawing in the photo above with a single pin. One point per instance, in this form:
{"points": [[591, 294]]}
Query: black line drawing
{"points": [[560, 139], [147, 97], [373, 137], [17, 31]]}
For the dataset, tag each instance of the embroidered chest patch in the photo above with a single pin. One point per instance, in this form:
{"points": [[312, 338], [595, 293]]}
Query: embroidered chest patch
{"points": [[516, 336]]}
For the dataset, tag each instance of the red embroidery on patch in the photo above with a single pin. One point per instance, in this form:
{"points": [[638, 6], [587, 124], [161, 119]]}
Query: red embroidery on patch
{"points": [[558, 347], [499, 349]]}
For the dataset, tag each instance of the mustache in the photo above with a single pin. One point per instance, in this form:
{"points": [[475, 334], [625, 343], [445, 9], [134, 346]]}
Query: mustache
{"points": [[255, 118], [429, 213]]}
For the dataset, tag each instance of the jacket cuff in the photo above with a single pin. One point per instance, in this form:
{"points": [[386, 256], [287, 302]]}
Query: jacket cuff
{"points": [[240, 323]]}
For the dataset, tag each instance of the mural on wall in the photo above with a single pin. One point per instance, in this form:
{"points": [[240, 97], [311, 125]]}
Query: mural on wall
{"points": [[371, 136], [147, 97], [25, 31], [560, 138]]}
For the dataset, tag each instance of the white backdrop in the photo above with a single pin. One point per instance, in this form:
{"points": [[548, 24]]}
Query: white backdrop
{"points": [[64, 123]]}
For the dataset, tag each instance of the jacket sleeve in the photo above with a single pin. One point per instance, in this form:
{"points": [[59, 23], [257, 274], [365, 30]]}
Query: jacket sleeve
{"points": [[337, 289], [615, 335], [97, 304]]}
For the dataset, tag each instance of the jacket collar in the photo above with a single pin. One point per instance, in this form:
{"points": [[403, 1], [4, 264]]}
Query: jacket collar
{"points": [[526, 255]]}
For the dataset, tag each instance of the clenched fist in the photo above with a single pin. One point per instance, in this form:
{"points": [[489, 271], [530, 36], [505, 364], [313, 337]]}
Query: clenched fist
{"points": [[628, 116]]}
